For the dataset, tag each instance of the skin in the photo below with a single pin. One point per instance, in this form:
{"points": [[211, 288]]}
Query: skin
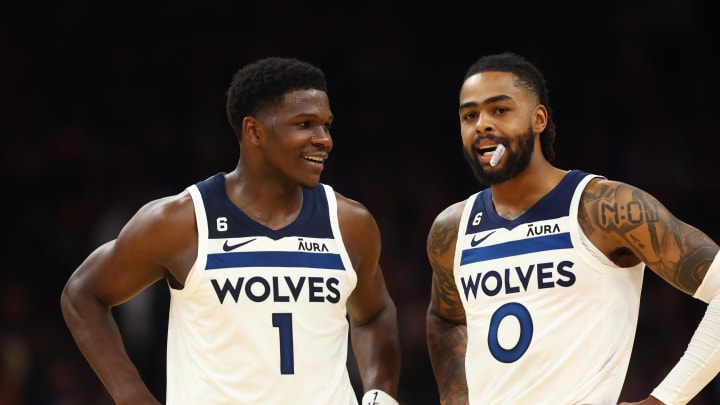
{"points": [[160, 242], [490, 103]]}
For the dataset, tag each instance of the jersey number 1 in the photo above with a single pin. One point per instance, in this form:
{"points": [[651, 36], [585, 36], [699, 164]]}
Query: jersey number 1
{"points": [[284, 324]]}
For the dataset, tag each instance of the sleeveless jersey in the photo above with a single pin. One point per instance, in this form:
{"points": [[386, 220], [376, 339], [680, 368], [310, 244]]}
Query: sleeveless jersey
{"points": [[550, 320], [262, 316]]}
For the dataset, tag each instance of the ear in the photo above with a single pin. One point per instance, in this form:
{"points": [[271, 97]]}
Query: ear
{"points": [[251, 130], [540, 117]]}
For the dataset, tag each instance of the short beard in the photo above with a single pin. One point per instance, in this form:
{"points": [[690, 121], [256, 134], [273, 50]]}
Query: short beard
{"points": [[516, 160]]}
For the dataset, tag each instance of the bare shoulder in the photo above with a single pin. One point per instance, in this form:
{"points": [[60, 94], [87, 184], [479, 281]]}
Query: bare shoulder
{"points": [[355, 216], [630, 225], [606, 188], [445, 301], [163, 214], [360, 231], [163, 232], [444, 229], [159, 241], [612, 206], [614, 191], [352, 209]]}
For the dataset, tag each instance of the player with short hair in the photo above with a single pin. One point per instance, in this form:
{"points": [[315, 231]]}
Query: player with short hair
{"points": [[268, 269]]}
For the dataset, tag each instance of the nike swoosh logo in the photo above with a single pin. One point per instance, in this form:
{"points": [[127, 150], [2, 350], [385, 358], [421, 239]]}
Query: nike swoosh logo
{"points": [[475, 242], [228, 247]]}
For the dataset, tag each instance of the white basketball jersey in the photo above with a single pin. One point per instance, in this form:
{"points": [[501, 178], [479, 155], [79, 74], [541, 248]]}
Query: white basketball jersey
{"points": [[262, 317], [550, 320]]}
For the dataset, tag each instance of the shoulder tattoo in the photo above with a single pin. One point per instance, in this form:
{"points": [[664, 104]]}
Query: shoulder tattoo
{"points": [[444, 292], [676, 251]]}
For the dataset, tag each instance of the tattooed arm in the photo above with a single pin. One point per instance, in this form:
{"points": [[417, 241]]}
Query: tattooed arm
{"points": [[446, 328], [629, 226]]}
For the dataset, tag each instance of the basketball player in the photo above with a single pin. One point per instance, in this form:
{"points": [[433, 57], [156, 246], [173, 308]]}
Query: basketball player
{"points": [[536, 279], [263, 265]]}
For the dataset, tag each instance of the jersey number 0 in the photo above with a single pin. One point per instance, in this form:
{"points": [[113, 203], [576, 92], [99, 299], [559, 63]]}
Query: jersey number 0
{"points": [[526, 332]]}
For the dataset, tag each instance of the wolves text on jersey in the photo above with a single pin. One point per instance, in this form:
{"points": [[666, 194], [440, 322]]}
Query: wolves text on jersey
{"points": [[259, 289], [517, 279]]}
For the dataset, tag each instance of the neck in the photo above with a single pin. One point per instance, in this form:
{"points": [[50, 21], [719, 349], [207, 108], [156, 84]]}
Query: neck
{"points": [[271, 204], [515, 196]]}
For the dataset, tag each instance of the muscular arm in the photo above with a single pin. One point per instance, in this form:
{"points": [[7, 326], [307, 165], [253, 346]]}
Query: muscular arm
{"points": [[446, 328], [154, 240], [372, 313], [630, 225]]}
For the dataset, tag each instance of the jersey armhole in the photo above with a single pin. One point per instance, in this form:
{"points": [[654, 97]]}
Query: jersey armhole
{"points": [[198, 266]]}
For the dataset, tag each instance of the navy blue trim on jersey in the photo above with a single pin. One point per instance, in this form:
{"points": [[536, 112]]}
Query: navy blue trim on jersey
{"points": [[329, 261], [483, 218], [312, 221], [554, 204], [517, 247], [226, 221]]}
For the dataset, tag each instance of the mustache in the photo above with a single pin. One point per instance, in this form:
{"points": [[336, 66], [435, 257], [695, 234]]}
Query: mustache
{"points": [[490, 137]]}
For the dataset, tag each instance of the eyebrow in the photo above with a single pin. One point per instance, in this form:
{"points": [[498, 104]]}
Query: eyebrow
{"points": [[489, 100]]}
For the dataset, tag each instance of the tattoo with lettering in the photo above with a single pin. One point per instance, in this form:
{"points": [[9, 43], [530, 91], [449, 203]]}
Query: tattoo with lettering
{"points": [[632, 219]]}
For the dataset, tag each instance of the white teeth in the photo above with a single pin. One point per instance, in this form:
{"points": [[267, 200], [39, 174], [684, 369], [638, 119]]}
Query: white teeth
{"points": [[314, 159]]}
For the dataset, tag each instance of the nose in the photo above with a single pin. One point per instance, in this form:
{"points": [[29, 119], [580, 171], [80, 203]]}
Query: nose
{"points": [[484, 123], [322, 137]]}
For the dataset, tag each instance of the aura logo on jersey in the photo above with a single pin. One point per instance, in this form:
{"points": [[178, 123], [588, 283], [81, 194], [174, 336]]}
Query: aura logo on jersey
{"points": [[312, 253], [537, 230], [311, 246], [517, 279], [279, 289]]}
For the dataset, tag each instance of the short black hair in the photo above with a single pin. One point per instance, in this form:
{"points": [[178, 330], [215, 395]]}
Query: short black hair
{"points": [[263, 84], [528, 77]]}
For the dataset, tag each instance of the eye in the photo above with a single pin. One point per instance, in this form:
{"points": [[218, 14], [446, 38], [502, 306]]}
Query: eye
{"points": [[470, 116], [501, 110]]}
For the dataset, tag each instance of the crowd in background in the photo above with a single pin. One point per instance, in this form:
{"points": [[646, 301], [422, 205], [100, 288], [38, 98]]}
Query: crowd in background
{"points": [[104, 107]]}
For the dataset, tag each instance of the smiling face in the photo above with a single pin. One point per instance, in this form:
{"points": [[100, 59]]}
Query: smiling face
{"points": [[494, 110], [294, 138]]}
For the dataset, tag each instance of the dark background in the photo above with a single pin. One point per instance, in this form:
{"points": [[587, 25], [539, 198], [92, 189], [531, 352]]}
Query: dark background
{"points": [[107, 105]]}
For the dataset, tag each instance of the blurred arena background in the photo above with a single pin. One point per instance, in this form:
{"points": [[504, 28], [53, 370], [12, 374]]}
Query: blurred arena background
{"points": [[106, 105]]}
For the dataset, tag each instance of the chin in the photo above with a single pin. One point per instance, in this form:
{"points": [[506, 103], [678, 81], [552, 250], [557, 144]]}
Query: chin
{"points": [[310, 183]]}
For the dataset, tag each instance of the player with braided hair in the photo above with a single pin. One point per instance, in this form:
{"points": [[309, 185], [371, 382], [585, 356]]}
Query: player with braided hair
{"points": [[537, 278]]}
